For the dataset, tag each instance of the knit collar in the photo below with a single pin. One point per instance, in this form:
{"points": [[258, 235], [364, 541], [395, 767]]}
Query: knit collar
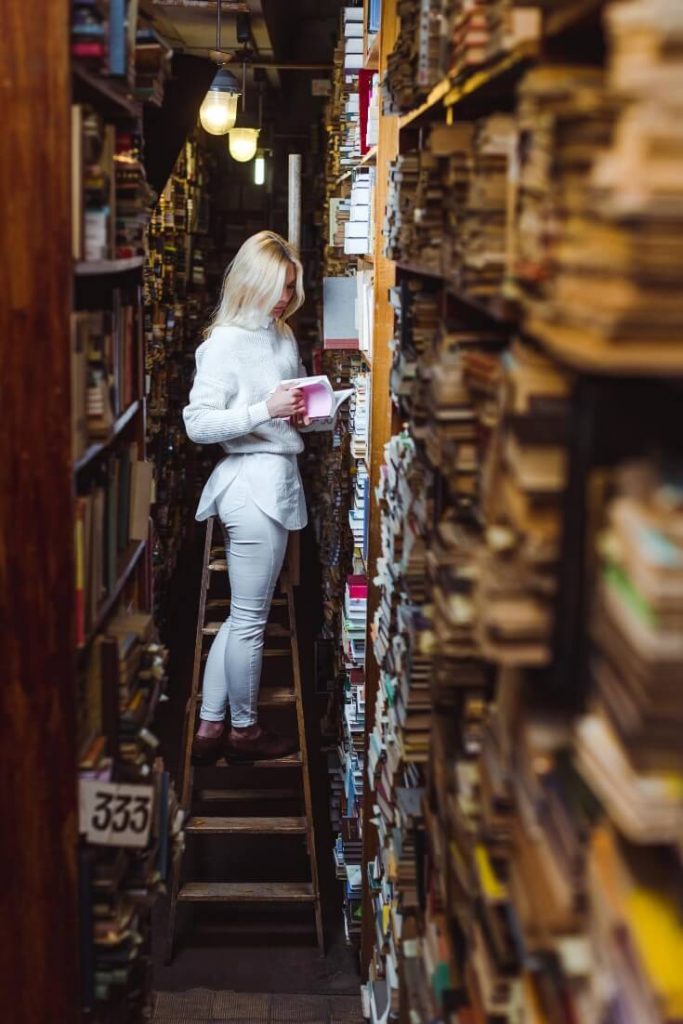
{"points": [[266, 323]]}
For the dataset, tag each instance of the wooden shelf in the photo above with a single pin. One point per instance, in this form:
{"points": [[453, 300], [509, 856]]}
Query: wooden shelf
{"points": [[104, 93], [93, 450], [589, 353], [448, 93], [493, 78], [571, 17], [127, 564], [414, 268], [435, 97], [91, 268], [369, 158], [497, 307], [371, 62]]}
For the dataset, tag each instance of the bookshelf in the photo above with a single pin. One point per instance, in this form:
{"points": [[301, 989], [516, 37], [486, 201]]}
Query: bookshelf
{"points": [[501, 664], [120, 664], [176, 297]]}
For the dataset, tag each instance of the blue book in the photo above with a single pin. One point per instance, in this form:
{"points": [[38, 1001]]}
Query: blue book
{"points": [[118, 64]]}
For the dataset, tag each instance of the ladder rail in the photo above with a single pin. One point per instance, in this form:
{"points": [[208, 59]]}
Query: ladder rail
{"points": [[226, 826], [305, 766], [186, 763]]}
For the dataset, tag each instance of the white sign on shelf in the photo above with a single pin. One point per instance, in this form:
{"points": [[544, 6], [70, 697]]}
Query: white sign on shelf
{"points": [[115, 814]]}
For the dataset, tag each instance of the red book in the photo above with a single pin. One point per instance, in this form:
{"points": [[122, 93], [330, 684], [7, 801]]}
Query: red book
{"points": [[357, 586], [87, 49]]}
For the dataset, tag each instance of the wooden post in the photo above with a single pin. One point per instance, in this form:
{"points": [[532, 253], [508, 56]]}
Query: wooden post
{"points": [[294, 201], [38, 777], [380, 431]]}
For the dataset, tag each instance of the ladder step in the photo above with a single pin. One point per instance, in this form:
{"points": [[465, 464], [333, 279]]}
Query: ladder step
{"points": [[269, 697], [291, 761], [276, 696], [247, 826], [272, 629], [247, 892], [240, 795], [268, 652]]}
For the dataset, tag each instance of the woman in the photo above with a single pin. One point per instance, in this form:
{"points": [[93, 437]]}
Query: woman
{"points": [[237, 400]]}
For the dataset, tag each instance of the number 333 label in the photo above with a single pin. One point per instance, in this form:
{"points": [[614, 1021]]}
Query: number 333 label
{"points": [[115, 814]]}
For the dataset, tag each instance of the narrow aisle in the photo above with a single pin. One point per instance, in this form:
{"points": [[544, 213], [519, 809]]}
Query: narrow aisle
{"points": [[227, 956]]}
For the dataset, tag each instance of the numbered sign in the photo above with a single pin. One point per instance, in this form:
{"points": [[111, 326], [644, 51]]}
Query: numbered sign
{"points": [[115, 814]]}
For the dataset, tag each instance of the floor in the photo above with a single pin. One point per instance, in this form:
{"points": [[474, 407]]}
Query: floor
{"points": [[201, 1005], [255, 967]]}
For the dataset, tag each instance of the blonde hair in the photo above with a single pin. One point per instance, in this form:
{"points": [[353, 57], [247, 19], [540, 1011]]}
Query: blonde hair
{"points": [[254, 281]]}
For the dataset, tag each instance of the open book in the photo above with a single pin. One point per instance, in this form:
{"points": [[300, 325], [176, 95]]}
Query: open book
{"points": [[322, 402]]}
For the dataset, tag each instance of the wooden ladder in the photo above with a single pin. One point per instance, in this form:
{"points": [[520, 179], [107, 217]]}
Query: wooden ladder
{"points": [[212, 612]]}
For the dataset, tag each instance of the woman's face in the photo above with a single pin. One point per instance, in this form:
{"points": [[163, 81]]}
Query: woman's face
{"points": [[287, 292]]}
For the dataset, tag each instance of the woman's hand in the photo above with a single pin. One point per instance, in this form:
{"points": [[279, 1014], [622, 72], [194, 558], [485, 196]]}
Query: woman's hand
{"points": [[285, 402], [301, 420]]}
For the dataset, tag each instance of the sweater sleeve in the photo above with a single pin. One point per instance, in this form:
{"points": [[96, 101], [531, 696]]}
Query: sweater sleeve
{"points": [[208, 420]]}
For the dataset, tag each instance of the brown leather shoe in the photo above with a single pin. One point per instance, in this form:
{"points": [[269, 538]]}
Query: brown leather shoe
{"points": [[207, 749], [265, 746]]}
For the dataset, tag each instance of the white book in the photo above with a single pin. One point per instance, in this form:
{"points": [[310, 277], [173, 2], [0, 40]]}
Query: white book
{"points": [[356, 229], [356, 246], [352, 45], [353, 14], [353, 29]]}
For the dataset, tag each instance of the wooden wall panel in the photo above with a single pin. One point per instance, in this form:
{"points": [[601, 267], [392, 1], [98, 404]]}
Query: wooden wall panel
{"points": [[38, 933]]}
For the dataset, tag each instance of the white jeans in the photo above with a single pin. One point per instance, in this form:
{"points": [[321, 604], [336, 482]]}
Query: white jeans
{"points": [[255, 550]]}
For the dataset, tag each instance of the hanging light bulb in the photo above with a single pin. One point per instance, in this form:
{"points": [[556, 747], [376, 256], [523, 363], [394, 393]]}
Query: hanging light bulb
{"points": [[218, 112], [260, 168], [242, 143]]}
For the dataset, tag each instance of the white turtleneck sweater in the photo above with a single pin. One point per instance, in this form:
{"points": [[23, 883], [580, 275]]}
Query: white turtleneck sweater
{"points": [[237, 369]]}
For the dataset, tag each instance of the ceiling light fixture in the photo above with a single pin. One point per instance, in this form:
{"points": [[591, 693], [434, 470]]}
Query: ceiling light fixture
{"points": [[242, 143], [260, 168], [218, 112]]}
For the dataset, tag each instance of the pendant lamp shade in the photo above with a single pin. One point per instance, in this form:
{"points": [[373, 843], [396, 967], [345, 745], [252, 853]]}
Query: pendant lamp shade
{"points": [[243, 143], [218, 112]]}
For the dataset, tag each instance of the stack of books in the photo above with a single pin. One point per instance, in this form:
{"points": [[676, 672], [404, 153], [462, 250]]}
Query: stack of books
{"points": [[620, 254], [512, 25], [359, 228], [627, 746], [133, 196], [470, 35], [483, 239], [523, 484], [564, 117], [415, 63], [372, 122], [100, 37], [354, 620], [152, 66], [353, 38]]}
